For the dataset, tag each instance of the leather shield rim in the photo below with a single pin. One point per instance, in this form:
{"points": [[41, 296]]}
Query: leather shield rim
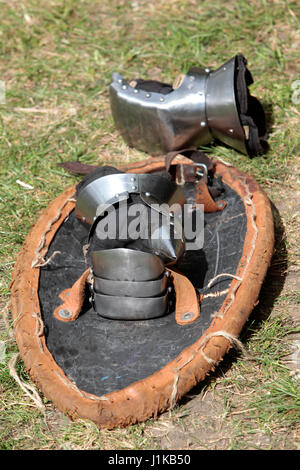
{"points": [[149, 397]]}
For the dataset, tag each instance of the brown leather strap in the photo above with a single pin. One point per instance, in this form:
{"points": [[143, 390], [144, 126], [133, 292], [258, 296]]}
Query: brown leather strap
{"points": [[191, 154], [184, 173], [78, 168], [203, 196], [73, 299], [187, 308], [188, 173], [170, 156]]}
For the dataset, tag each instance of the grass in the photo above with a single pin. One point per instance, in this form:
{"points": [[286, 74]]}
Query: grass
{"points": [[272, 410], [57, 61]]}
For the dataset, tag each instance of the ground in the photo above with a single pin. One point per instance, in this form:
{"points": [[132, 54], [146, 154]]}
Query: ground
{"points": [[57, 61]]}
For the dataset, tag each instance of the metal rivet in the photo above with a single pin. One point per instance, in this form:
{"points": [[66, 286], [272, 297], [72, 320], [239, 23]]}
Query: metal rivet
{"points": [[133, 187], [187, 316], [65, 313], [207, 70], [203, 124], [135, 90], [224, 68], [124, 87], [161, 99], [120, 80], [132, 178], [117, 195], [200, 93], [231, 131], [147, 194], [167, 273], [148, 95]]}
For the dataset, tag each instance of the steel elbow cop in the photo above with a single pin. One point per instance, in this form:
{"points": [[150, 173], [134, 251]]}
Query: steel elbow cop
{"points": [[129, 277]]}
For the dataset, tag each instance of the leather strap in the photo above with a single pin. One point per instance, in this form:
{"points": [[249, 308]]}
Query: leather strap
{"points": [[188, 173], [73, 299], [203, 196], [187, 308], [190, 154]]}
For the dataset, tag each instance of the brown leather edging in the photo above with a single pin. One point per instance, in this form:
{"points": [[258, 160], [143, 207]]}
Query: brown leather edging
{"points": [[156, 393]]}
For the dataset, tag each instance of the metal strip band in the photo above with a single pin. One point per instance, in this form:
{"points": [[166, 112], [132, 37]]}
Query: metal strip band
{"points": [[221, 108], [130, 308], [131, 288], [122, 264], [110, 189]]}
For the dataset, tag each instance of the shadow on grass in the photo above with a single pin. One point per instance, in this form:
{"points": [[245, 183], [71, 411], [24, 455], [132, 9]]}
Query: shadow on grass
{"points": [[269, 116], [270, 291]]}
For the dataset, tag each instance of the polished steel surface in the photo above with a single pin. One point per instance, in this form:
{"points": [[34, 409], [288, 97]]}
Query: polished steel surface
{"points": [[110, 189], [130, 308], [221, 109], [202, 108], [122, 264], [156, 123], [169, 248], [130, 288]]}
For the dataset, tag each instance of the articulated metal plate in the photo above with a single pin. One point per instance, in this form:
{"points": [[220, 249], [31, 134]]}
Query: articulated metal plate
{"points": [[157, 123], [202, 108], [168, 242], [221, 108], [131, 288], [114, 188], [130, 308], [122, 264]]}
